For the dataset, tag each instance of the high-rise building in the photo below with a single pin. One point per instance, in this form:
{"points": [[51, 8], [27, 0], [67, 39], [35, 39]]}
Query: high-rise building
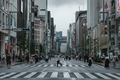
{"points": [[5, 7], [93, 8]]}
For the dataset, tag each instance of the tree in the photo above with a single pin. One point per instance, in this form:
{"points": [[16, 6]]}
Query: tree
{"points": [[32, 47], [22, 42], [40, 48]]}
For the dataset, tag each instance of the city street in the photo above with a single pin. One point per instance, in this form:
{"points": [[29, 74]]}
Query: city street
{"points": [[70, 70]]}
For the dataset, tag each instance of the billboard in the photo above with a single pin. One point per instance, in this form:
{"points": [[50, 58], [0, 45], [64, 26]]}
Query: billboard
{"points": [[107, 5], [117, 8]]}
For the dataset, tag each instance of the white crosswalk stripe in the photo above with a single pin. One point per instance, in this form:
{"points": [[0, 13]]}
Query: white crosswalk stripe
{"points": [[66, 75], [91, 76], [7, 75], [42, 75], [82, 65], [78, 75], [30, 75], [113, 75], [70, 66], [18, 75], [2, 74], [76, 66], [52, 65], [54, 74], [103, 76]]}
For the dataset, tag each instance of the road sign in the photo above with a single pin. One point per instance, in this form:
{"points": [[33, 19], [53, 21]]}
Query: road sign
{"points": [[17, 29]]}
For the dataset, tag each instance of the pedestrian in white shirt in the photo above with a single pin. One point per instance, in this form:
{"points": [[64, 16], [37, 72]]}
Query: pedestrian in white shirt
{"points": [[58, 60]]}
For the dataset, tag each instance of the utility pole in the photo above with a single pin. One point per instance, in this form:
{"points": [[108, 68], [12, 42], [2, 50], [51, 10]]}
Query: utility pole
{"points": [[25, 22], [9, 29], [103, 11], [46, 34]]}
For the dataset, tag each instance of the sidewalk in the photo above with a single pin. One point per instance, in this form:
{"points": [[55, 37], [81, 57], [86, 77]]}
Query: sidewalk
{"points": [[12, 64], [111, 65]]}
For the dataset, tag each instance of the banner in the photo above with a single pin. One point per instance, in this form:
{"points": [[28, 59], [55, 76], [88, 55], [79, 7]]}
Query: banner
{"points": [[117, 5]]}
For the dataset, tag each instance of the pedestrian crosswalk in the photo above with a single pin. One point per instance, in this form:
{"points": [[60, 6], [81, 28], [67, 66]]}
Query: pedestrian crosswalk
{"points": [[77, 75], [53, 65]]}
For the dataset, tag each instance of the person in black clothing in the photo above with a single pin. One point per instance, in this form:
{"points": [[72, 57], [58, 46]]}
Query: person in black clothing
{"points": [[90, 62], [8, 60], [27, 58], [36, 58], [107, 61]]}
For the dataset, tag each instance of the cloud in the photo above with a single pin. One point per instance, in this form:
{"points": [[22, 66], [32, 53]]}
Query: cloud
{"points": [[63, 12], [58, 3]]}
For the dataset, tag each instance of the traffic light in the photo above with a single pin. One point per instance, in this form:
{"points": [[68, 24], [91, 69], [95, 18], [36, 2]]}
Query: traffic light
{"points": [[26, 29]]}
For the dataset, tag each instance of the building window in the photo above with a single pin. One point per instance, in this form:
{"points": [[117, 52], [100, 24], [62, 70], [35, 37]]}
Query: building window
{"points": [[6, 20], [3, 18]]}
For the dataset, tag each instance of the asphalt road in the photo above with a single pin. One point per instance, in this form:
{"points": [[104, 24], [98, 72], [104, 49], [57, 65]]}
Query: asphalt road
{"points": [[70, 70]]}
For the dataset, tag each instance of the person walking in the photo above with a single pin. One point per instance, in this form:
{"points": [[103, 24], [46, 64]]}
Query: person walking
{"points": [[58, 60], [3, 58], [107, 61], [90, 61], [46, 58], [8, 60], [114, 58], [27, 58]]}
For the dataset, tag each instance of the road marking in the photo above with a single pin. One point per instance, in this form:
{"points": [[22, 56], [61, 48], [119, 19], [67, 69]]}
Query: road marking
{"points": [[117, 73], [73, 79], [70, 66], [78, 75], [82, 65], [7, 75], [113, 75], [43, 70], [2, 74], [64, 65], [91, 76], [69, 71], [16, 76], [30, 75], [39, 65], [45, 65], [54, 74], [42, 75], [76, 65], [27, 66], [66, 75], [51, 65], [103, 76]]}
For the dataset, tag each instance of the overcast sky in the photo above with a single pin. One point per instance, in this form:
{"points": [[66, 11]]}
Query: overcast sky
{"points": [[63, 12]]}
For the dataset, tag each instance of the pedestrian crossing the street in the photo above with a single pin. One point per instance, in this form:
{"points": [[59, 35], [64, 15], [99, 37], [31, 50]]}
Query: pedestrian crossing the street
{"points": [[77, 75], [53, 65]]}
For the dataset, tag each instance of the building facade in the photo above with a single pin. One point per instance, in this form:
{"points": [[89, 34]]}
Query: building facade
{"points": [[5, 7]]}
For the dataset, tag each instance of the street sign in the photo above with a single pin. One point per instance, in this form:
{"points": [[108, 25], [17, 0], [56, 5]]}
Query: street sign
{"points": [[17, 29]]}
